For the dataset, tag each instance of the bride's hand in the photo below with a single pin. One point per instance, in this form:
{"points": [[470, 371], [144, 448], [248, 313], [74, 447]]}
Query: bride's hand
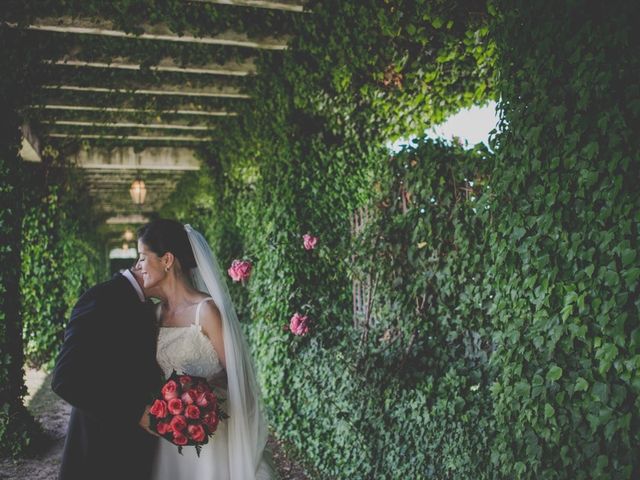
{"points": [[144, 422]]}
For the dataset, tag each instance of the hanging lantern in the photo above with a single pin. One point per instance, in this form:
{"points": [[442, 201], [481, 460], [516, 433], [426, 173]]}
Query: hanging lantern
{"points": [[128, 235], [138, 191]]}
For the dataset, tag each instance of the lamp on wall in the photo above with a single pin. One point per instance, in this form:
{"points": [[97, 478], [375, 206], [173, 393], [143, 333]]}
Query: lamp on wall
{"points": [[138, 191]]}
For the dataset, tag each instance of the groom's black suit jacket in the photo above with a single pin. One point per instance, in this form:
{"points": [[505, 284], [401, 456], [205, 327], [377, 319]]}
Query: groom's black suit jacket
{"points": [[107, 371]]}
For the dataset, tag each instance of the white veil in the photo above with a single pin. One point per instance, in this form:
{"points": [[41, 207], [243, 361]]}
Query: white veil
{"points": [[246, 425]]}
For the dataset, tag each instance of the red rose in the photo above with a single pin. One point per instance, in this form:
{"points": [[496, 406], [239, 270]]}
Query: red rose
{"points": [[192, 412], [189, 396], [179, 438], [211, 421], [163, 428], [202, 401], [211, 398], [175, 406], [196, 432], [201, 387], [170, 390], [158, 409], [185, 381], [178, 423]]}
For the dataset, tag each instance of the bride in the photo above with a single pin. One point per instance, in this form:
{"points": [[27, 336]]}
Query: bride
{"points": [[200, 335]]}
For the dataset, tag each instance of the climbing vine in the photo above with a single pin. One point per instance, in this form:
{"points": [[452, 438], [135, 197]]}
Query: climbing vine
{"points": [[500, 337], [59, 259], [304, 156], [18, 429], [564, 244]]}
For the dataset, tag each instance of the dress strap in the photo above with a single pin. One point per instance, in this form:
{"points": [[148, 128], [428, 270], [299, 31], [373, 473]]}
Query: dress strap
{"points": [[198, 310]]}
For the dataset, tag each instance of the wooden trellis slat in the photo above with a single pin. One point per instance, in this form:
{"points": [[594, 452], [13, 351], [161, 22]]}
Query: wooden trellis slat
{"points": [[159, 32], [161, 90]]}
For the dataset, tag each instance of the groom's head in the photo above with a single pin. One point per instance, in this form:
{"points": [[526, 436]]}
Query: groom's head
{"points": [[137, 274]]}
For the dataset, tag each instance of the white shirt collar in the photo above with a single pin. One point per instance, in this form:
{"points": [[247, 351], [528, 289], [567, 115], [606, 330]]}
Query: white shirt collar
{"points": [[129, 276]]}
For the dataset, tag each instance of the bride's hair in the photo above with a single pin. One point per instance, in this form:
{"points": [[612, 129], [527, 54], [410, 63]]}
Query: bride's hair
{"points": [[164, 235]]}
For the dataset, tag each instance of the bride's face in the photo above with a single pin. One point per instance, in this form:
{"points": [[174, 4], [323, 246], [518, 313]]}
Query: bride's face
{"points": [[150, 265]]}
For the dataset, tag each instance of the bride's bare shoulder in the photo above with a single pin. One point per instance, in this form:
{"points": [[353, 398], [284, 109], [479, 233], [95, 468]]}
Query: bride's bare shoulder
{"points": [[209, 310], [211, 323]]}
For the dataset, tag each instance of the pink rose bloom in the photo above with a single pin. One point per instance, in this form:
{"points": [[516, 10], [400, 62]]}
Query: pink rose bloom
{"points": [[179, 438], [309, 241], [178, 423], [175, 406], [189, 397], [299, 324], [240, 270], [163, 428], [192, 412], [211, 421], [170, 390], [196, 432], [159, 409]]}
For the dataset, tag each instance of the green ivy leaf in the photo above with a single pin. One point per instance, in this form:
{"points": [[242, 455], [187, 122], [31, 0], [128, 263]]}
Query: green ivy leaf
{"points": [[581, 385], [554, 373], [549, 411]]}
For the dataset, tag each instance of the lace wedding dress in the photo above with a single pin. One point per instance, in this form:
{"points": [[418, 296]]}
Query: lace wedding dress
{"points": [[187, 350]]}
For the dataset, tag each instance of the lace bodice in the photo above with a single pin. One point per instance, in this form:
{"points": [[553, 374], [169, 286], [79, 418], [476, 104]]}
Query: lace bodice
{"points": [[187, 350]]}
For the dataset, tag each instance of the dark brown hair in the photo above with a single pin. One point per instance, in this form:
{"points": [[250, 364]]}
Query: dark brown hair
{"points": [[164, 235]]}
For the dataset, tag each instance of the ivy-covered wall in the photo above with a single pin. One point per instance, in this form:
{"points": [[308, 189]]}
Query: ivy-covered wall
{"points": [[308, 152], [17, 427], [503, 338], [48, 251], [506, 334], [59, 257], [564, 242]]}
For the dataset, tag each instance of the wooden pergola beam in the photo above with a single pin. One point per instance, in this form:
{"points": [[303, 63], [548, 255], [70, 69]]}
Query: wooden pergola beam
{"points": [[152, 126], [159, 32], [232, 69], [123, 159], [127, 219], [89, 108], [132, 138], [161, 90], [287, 5]]}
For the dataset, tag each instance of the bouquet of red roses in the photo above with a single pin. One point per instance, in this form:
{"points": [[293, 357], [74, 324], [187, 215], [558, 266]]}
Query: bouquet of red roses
{"points": [[187, 411]]}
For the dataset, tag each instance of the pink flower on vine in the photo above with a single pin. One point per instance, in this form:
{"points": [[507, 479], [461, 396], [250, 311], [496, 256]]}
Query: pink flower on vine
{"points": [[240, 270], [299, 324], [309, 241]]}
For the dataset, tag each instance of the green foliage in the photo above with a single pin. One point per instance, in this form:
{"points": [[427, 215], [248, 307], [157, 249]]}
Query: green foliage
{"points": [[18, 430], [193, 18], [564, 267], [423, 351], [503, 340], [57, 266], [397, 66], [41, 288], [300, 159]]}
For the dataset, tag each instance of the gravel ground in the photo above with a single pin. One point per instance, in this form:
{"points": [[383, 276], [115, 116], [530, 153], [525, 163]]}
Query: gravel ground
{"points": [[53, 413]]}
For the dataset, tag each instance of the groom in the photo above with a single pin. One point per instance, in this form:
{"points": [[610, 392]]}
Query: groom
{"points": [[107, 371]]}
